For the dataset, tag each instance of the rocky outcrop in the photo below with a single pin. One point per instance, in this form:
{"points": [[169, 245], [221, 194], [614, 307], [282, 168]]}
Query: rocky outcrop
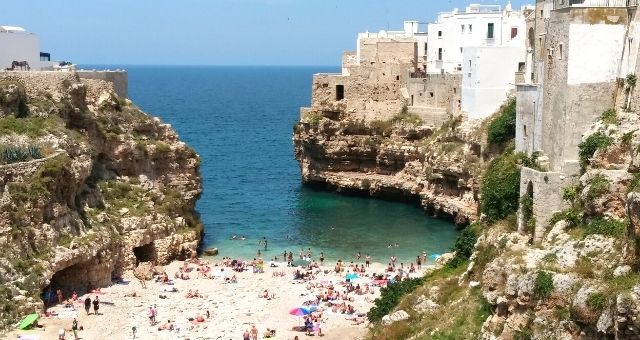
{"points": [[109, 187], [401, 159]]}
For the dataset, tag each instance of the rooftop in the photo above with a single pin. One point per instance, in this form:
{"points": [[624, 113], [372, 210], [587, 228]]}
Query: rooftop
{"points": [[12, 29]]}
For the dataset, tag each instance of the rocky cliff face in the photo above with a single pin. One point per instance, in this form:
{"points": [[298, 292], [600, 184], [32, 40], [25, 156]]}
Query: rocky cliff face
{"points": [[89, 186], [400, 158]]}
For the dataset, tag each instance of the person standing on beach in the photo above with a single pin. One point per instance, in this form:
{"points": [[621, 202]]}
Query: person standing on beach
{"points": [[393, 261], [96, 305], [322, 258], [87, 304], [358, 256], [245, 335], [254, 332], [150, 315], [74, 329], [264, 241], [367, 260], [419, 262], [301, 253]]}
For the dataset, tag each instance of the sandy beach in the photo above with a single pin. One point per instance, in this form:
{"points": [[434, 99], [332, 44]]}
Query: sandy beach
{"points": [[233, 307]]}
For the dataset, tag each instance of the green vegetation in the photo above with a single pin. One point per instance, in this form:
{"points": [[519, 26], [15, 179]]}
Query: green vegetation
{"points": [[597, 301], [313, 118], [463, 247], [543, 286], [381, 127], [503, 128], [43, 183], [501, 187], [526, 207], [606, 227], [31, 127], [571, 216], [119, 195], [404, 117], [592, 144], [523, 334], [598, 186], [390, 296], [635, 183], [609, 117], [15, 154], [162, 147]]}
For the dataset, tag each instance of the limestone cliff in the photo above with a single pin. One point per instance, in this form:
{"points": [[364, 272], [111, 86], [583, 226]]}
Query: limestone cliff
{"points": [[89, 186], [400, 158]]}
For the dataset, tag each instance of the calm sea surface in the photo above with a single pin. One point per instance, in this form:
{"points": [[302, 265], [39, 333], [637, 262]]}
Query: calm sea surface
{"points": [[239, 120]]}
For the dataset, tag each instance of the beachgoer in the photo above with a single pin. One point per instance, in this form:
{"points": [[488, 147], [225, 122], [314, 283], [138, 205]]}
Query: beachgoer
{"points": [[309, 254], [322, 258], [254, 332], [393, 261], [245, 335], [367, 260], [155, 312], [150, 315], [59, 295], [87, 304], [358, 256], [264, 240], [134, 329], [61, 334], [74, 328], [419, 262], [301, 253], [259, 253], [96, 305]]}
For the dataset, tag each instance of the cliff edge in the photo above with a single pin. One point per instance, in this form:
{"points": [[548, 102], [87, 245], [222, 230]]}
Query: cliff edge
{"points": [[90, 186]]}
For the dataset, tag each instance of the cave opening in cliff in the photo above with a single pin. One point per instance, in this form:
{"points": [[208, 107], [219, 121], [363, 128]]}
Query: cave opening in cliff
{"points": [[145, 253], [80, 278], [339, 92]]}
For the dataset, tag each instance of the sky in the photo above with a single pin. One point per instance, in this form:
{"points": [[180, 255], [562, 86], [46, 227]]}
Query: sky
{"points": [[214, 32]]}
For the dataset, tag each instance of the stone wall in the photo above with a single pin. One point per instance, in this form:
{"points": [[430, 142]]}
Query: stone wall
{"points": [[546, 190], [441, 91], [119, 79], [529, 130]]}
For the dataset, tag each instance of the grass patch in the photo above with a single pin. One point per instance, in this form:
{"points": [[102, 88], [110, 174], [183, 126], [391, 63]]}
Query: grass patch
{"points": [[606, 227], [119, 195], [32, 127], [609, 117], [543, 286], [598, 186], [597, 301]]}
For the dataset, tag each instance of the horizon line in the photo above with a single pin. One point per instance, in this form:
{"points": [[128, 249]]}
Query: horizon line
{"points": [[210, 65]]}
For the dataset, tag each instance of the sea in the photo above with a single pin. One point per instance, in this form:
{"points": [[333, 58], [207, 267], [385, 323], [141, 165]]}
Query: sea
{"points": [[240, 121]]}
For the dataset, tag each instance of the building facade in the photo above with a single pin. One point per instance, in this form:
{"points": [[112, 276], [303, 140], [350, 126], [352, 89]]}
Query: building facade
{"points": [[16, 44]]}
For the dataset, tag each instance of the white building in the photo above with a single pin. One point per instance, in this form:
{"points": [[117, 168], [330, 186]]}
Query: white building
{"points": [[477, 26], [16, 44]]}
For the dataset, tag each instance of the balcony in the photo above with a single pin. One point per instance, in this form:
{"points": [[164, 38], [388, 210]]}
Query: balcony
{"points": [[559, 4]]}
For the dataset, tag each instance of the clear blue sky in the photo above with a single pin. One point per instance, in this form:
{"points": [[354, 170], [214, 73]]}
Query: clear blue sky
{"points": [[213, 32]]}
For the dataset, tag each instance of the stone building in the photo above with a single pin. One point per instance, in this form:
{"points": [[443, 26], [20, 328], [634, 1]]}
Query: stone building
{"points": [[372, 84], [577, 52]]}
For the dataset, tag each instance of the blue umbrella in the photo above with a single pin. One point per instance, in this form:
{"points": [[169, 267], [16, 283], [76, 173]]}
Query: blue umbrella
{"points": [[300, 311]]}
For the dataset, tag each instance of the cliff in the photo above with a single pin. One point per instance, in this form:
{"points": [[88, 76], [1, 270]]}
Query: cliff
{"points": [[577, 278], [400, 158], [89, 187]]}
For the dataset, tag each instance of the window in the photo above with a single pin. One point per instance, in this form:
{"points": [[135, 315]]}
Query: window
{"points": [[470, 28], [460, 49], [462, 28], [425, 48], [560, 51], [455, 90], [439, 33], [339, 92], [490, 30], [541, 13], [397, 77], [514, 32], [440, 54], [431, 94]]}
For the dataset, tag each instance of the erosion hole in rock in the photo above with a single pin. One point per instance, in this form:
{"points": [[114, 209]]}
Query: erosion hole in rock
{"points": [[339, 92], [145, 253], [80, 278]]}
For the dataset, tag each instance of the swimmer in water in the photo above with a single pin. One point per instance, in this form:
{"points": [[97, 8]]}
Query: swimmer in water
{"points": [[234, 237], [242, 238]]}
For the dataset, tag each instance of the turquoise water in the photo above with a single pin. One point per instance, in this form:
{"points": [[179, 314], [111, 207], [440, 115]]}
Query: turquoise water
{"points": [[239, 119]]}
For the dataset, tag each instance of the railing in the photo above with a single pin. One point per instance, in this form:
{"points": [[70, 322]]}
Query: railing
{"points": [[559, 4]]}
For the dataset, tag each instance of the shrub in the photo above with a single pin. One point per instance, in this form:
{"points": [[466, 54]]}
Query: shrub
{"points": [[606, 227], [627, 137], [503, 127], [523, 334], [609, 117], [162, 147], [571, 216], [404, 117], [463, 247], [598, 186], [635, 183], [500, 188], [592, 144], [596, 301], [381, 127], [543, 286], [390, 296], [526, 207]]}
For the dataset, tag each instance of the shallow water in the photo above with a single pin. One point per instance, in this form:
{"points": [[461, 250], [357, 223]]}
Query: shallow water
{"points": [[240, 119]]}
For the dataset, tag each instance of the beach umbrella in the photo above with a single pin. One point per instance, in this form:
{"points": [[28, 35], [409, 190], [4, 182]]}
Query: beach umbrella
{"points": [[300, 311], [434, 256], [28, 321], [351, 276]]}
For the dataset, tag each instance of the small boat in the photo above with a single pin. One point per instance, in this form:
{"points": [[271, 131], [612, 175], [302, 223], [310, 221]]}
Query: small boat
{"points": [[211, 251]]}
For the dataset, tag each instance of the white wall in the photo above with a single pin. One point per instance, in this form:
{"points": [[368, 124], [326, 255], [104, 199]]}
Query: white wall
{"points": [[20, 47], [488, 78], [595, 53], [455, 38]]}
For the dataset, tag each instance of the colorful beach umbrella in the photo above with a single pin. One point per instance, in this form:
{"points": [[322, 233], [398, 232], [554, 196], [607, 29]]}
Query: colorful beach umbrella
{"points": [[300, 311], [28, 321]]}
